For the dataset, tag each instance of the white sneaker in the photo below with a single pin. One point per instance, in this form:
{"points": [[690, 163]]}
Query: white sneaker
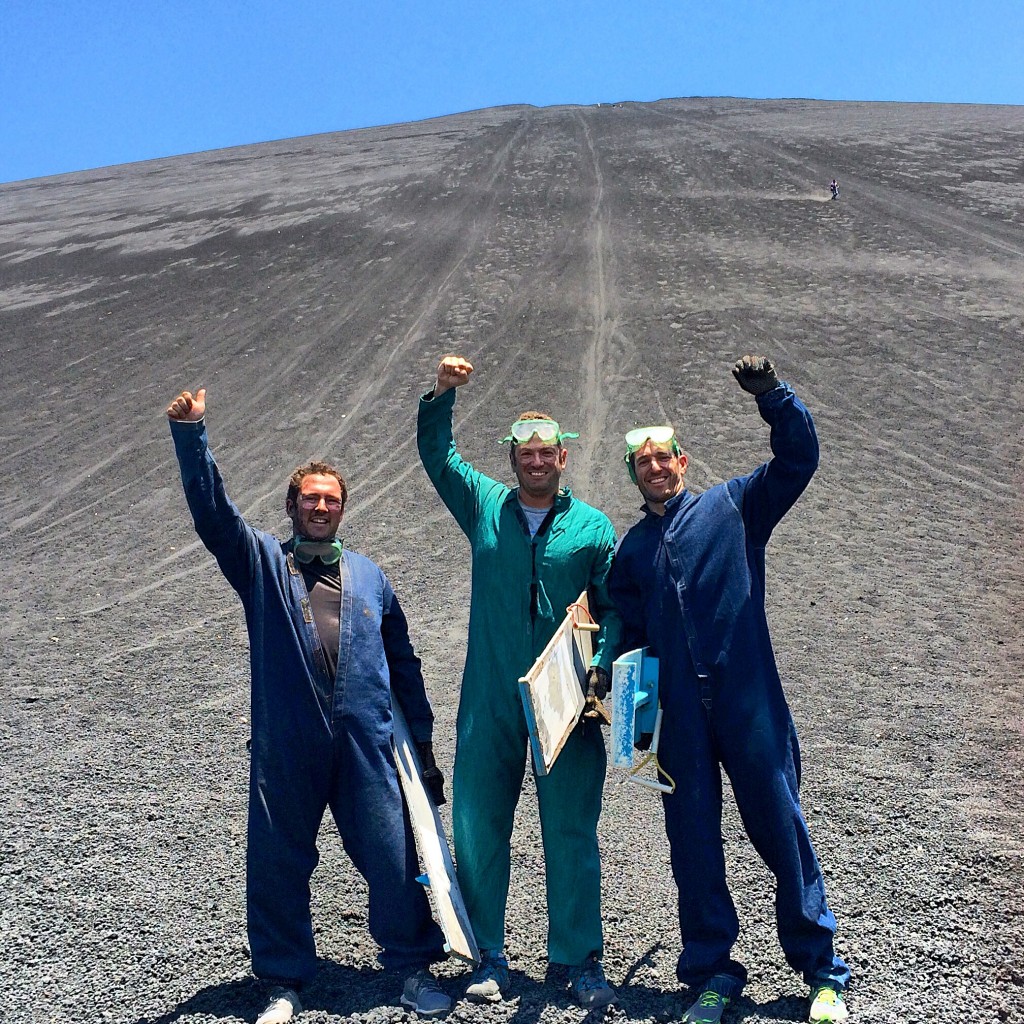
{"points": [[283, 1005], [489, 979]]}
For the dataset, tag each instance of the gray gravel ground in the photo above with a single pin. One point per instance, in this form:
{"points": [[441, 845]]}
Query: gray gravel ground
{"points": [[608, 263]]}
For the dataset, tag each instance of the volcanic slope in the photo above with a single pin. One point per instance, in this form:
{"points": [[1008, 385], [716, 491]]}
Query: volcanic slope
{"points": [[608, 264]]}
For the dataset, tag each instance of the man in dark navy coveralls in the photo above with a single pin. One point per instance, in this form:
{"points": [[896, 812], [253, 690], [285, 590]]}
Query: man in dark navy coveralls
{"points": [[329, 646], [689, 583]]}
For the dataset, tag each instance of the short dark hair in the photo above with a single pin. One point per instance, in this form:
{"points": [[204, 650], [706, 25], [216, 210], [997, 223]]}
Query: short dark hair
{"points": [[315, 468]]}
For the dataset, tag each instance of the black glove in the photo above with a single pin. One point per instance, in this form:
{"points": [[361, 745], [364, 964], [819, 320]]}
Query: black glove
{"points": [[431, 775], [756, 374], [598, 685]]}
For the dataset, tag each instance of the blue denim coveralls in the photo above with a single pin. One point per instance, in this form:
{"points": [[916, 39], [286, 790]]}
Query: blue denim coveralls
{"points": [[691, 586], [317, 742]]}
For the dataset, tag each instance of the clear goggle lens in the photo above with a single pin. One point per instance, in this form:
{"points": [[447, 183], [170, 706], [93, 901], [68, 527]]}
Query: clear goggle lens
{"points": [[637, 438], [547, 431]]}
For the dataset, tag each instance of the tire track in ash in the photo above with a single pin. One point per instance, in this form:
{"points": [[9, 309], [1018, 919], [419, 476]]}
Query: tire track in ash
{"points": [[604, 321], [506, 339], [379, 372], [515, 250], [66, 486], [627, 359], [915, 213], [904, 207], [527, 248]]}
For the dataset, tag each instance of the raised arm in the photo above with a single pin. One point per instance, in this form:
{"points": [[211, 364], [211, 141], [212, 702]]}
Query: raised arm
{"points": [[217, 520], [768, 493], [460, 486]]}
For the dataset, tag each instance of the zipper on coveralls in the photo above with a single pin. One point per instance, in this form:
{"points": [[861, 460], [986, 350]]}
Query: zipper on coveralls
{"points": [[691, 638], [307, 617], [534, 583]]}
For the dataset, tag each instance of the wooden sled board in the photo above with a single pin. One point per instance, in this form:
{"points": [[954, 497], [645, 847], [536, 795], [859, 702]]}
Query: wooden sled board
{"points": [[432, 846], [553, 690]]}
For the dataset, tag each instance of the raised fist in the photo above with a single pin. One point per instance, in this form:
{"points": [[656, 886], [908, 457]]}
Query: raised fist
{"points": [[452, 372], [188, 409], [755, 374]]}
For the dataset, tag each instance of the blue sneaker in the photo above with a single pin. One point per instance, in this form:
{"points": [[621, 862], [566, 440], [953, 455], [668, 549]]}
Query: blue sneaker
{"points": [[716, 995], [490, 978], [589, 986], [424, 996]]}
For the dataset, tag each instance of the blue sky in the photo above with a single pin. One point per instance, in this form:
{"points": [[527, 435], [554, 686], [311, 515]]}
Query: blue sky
{"points": [[87, 83]]}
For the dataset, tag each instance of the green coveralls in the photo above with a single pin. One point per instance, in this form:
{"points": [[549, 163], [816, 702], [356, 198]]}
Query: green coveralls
{"points": [[521, 589]]}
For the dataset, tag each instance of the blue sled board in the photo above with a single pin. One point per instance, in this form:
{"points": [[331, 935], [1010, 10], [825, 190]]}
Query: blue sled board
{"points": [[634, 704]]}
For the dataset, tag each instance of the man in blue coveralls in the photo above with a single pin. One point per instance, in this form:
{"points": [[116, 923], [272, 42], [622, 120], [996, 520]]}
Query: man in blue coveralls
{"points": [[689, 583], [329, 645]]}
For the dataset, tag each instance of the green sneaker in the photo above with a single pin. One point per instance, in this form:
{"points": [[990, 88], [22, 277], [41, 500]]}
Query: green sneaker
{"points": [[708, 1009], [827, 1004]]}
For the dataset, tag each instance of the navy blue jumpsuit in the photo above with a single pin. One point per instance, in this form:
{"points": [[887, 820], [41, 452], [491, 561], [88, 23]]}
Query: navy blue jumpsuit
{"points": [[691, 585], [317, 742]]}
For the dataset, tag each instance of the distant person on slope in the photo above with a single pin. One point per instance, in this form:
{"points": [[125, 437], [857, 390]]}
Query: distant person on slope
{"points": [[689, 582], [329, 646], [835, 188], [535, 548]]}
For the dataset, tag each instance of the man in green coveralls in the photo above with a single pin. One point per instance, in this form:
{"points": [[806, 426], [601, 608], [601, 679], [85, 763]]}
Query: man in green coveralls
{"points": [[534, 549]]}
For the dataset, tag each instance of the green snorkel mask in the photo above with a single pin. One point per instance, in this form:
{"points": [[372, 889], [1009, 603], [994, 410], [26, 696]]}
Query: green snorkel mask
{"points": [[637, 438], [547, 431], [328, 551]]}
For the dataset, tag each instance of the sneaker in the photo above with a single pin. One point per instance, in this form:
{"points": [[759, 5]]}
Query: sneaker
{"points": [[424, 996], [490, 978], [708, 1009], [589, 986], [283, 1005], [827, 1004]]}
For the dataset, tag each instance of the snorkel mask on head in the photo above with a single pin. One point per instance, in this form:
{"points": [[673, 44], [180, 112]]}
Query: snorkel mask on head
{"points": [[547, 431], [637, 438]]}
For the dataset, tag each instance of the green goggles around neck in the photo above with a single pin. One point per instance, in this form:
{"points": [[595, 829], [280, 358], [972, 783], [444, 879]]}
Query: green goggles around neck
{"points": [[547, 431], [328, 551], [637, 438]]}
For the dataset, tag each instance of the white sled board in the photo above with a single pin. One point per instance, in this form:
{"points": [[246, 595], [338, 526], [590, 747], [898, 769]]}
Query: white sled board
{"points": [[553, 690], [432, 846]]}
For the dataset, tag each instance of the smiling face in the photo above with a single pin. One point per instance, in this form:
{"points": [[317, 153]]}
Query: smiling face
{"points": [[659, 473], [538, 467], [317, 509]]}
